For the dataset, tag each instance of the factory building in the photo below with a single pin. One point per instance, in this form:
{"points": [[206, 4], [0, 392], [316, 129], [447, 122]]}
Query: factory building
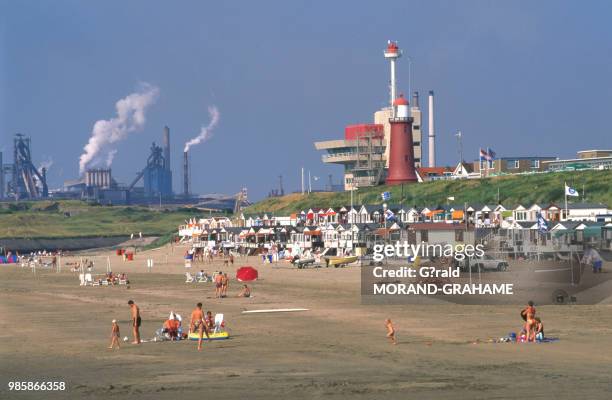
{"points": [[586, 159], [364, 151], [156, 175], [24, 181], [97, 184]]}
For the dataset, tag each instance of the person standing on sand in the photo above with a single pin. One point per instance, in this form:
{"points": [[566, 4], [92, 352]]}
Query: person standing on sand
{"points": [[390, 330], [528, 314], [224, 285], [136, 321], [218, 284], [197, 322], [115, 334]]}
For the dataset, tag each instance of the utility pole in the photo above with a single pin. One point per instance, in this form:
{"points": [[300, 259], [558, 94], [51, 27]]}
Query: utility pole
{"points": [[459, 136], [309, 183], [280, 183]]}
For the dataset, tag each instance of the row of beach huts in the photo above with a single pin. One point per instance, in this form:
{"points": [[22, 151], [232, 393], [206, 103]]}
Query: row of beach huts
{"points": [[510, 231]]}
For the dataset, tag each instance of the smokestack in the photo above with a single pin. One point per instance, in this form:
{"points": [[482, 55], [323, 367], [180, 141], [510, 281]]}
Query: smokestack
{"points": [[166, 143], [186, 173], [432, 135], [1, 177], [415, 99]]}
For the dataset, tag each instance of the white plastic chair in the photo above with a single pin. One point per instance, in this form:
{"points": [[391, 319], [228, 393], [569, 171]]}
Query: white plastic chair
{"points": [[82, 279], [88, 279], [218, 323], [188, 277]]}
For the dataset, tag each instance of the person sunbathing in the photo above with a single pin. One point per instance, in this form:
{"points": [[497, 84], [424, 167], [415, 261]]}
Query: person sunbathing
{"points": [[245, 292]]}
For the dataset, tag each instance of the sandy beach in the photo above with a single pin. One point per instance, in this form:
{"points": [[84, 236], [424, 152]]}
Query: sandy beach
{"points": [[55, 330]]}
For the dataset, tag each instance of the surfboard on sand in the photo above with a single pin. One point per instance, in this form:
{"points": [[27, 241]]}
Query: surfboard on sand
{"points": [[275, 310]]}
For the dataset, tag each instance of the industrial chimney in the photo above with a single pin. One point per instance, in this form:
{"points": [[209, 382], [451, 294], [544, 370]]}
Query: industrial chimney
{"points": [[166, 143], [186, 174], [432, 135], [401, 152]]}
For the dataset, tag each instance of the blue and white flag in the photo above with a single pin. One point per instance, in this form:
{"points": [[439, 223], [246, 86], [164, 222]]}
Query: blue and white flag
{"points": [[490, 154], [386, 196], [483, 155], [570, 191], [542, 223], [389, 215]]}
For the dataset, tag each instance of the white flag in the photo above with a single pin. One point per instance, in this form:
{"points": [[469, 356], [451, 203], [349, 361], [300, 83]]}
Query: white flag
{"points": [[451, 198], [569, 191]]}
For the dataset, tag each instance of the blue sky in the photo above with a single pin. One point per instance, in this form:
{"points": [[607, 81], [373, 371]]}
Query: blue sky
{"points": [[523, 77]]}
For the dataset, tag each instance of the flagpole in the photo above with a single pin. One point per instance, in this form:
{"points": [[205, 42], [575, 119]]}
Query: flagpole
{"points": [[565, 191]]}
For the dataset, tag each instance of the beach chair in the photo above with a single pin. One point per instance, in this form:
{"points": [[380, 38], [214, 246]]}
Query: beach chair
{"points": [[88, 279], [188, 278], [104, 282], [82, 280], [123, 281], [219, 323], [203, 278]]}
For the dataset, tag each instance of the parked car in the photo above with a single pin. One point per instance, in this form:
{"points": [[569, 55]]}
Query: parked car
{"points": [[488, 262], [484, 263]]}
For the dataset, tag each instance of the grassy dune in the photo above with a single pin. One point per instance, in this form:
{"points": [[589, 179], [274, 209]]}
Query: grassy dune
{"points": [[513, 189], [48, 219]]}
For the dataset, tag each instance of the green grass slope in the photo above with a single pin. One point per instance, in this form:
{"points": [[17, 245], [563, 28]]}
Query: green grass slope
{"points": [[513, 189], [64, 219]]}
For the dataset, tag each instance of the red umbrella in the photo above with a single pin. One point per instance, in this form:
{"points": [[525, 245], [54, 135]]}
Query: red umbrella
{"points": [[246, 274]]}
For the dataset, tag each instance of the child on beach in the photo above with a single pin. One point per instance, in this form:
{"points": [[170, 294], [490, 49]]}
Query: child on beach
{"points": [[115, 335], [390, 330], [539, 329]]}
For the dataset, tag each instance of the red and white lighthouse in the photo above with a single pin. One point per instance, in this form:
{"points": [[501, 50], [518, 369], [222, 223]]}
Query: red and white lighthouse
{"points": [[401, 151]]}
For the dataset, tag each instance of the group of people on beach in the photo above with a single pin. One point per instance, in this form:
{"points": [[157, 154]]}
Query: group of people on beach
{"points": [[208, 255], [136, 321], [221, 285], [200, 322], [533, 328]]}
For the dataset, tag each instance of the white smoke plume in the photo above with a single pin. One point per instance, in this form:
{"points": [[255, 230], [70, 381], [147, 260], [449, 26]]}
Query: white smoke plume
{"points": [[205, 131], [47, 163], [100, 149]]}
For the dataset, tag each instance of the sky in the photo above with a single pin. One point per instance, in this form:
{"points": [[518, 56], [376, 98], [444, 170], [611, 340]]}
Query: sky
{"points": [[524, 78]]}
